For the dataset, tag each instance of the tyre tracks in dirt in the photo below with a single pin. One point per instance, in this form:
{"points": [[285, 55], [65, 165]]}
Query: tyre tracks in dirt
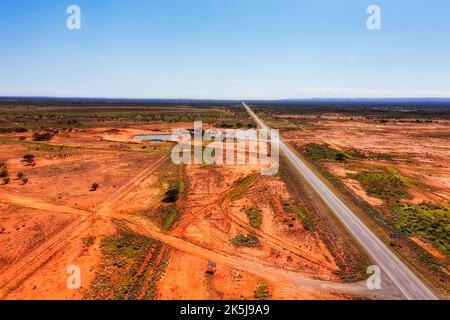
{"points": [[222, 203], [274, 240], [24, 268], [288, 279]]}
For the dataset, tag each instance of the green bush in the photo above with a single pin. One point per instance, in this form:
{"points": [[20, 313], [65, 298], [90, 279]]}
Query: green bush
{"points": [[324, 152], [95, 186], [431, 222], [340, 157], [42, 136], [242, 186], [166, 216], [28, 158], [171, 196], [125, 266], [254, 217], [249, 240], [171, 218], [319, 151], [262, 292], [385, 183], [299, 213], [10, 130]]}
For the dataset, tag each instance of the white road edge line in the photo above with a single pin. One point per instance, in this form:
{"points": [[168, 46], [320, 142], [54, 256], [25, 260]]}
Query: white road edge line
{"points": [[398, 272]]}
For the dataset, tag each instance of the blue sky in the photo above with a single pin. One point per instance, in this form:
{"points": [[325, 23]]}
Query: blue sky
{"points": [[243, 49]]}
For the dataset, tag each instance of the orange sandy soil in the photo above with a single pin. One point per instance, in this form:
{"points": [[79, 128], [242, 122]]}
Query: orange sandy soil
{"points": [[24, 229], [55, 221], [49, 280], [66, 176], [209, 222], [47, 224], [415, 150], [267, 195], [186, 279], [104, 138]]}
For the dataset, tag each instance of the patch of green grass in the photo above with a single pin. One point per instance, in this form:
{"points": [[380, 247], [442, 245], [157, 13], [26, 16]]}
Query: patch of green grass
{"points": [[249, 240], [123, 255], [299, 213], [440, 135], [254, 217], [385, 183], [166, 216], [324, 152], [428, 264], [157, 274], [242, 186], [279, 123], [181, 187], [387, 156], [262, 292], [319, 151], [431, 222], [151, 273], [173, 183], [172, 216]]}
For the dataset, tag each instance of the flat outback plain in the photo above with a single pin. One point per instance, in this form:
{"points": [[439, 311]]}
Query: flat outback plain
{"points": [[78, 191]]}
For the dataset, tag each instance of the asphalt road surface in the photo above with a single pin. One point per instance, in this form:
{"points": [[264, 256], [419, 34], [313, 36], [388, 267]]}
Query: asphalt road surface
{"points": [[411, 286]]}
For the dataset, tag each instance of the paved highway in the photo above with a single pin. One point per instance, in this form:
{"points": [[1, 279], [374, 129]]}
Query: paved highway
{"points": [[411, 286]]}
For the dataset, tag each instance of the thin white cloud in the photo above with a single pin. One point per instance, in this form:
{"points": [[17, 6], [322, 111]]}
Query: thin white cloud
{"points": [[333, 92]]}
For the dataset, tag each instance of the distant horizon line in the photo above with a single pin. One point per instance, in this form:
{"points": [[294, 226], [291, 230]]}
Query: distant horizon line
{"points": [[3, 98]]}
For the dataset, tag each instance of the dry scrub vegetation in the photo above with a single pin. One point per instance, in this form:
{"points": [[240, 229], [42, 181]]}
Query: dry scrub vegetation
{"points": [[391, 164], [82, 191]]}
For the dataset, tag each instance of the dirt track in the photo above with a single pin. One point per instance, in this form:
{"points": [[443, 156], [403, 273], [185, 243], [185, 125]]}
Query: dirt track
{"points": [[271, 238], [39, 204], [289, 280], [35, 259]]}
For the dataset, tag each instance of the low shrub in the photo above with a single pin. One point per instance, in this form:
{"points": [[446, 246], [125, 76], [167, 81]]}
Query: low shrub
{"points": [[262, 292], [249, 240], [42, 136], [385, 183], [254, 217], [171, 196], [430, 222], [28, 158]]}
